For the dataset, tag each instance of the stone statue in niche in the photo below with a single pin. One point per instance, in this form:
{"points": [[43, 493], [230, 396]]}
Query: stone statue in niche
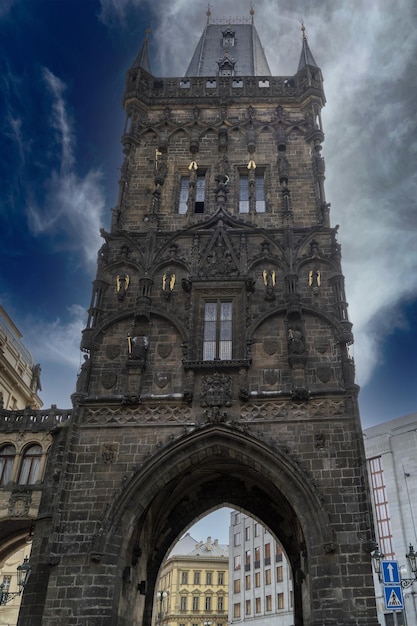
{"points": [[269, 277], [296, 343], [84, 375], [138, 348], [122, 285]]}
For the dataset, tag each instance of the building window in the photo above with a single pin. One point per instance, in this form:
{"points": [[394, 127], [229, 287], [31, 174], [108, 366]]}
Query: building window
{"points": [[247, 607], [257, 557], [247, 559], [236, 519], [200, 190], [280, 574], [257, 529], [267, 577], [208, 603], [236, 585], [196, 578], [30, 465], [280, 601], [184, 192], [268, 603], [192, 193], [257, 605], [381, 507], [237, 562], [247, 533], [278, 554], [217, 341], [196, 603], [183, 603], [184, 578], [220, 603], [236, 610], [257, 579], [236, 539], [7, 455], [252, 193], [247, 582], [267, 554], [220, 578], [209, 578], [6, 583]]}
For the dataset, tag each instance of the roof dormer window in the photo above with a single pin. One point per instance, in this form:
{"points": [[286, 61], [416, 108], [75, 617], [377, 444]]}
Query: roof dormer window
{"points": [[226, 65], [228, 38]]}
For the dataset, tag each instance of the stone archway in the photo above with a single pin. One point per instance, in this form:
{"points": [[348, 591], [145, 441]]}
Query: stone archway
{"points": [[212, 466]]}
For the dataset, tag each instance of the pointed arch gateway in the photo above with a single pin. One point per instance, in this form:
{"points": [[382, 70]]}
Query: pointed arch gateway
{"points": [[210, 467]]}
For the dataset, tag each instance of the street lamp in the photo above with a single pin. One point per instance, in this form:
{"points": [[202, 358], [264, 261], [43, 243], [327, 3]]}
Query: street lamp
{"points": [[161, 595], [411, 557], [377, 558], [23, 573]]}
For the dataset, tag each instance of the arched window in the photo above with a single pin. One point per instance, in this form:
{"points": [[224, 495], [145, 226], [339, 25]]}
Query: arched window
{"points": [[30, 465], [7, 454]]}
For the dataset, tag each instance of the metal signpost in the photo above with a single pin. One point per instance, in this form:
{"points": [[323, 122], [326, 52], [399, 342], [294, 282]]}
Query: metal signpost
{"points": [[391, 579]]}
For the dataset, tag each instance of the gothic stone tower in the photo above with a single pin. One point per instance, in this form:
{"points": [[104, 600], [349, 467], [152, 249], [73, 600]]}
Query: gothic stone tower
{"points": [[217, 369]]}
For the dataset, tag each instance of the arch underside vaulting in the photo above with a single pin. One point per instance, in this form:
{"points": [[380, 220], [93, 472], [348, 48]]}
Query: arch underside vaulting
{"points": [[215, 466]]}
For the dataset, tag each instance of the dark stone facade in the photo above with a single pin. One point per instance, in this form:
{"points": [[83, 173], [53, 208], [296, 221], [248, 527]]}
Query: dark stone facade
{"points": [[160, 434]]}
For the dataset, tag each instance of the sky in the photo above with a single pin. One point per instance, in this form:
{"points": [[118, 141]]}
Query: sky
{"points": [[62, 70]]}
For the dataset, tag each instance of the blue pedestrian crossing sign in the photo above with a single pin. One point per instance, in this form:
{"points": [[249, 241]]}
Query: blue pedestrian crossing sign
{"points": [[393, 598], [390, 573]]}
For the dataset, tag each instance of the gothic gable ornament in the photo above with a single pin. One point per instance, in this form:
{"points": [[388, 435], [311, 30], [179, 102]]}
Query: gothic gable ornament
{"points": [[219, 258]]}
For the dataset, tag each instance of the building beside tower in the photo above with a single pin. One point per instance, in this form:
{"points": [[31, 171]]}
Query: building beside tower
{"points": [[193, 585], [260, 586], [392, 467], [217, 369], [20, 377]]}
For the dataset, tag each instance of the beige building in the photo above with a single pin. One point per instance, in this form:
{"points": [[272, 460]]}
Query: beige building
{"points": [[19, 376], [22, 458], [193, 587]]}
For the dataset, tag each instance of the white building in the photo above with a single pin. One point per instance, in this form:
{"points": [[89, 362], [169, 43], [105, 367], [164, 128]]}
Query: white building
{"points": [[260, 588], [19, 376], [391, 452]]}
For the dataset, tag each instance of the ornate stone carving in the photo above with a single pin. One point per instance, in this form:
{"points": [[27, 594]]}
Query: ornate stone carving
{"points": [[216, 390], [108, 380], [324, 373], [162, 379], [113, 351], [109, 452], [164, 350], [272, 376], [19, 504]]}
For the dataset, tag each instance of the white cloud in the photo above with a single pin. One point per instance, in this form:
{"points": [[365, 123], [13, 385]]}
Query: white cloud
{"points": [[60, 120], [57, 341], [74, 205]]}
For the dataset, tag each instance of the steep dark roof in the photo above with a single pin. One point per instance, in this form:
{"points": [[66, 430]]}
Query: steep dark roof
{"points": [[306, 57], [247, 54], [142, 59]]}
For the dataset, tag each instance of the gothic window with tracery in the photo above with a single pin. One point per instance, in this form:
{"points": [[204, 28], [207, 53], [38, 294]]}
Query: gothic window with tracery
{"points": [[217, 338], [7, 455], [30, 465]]}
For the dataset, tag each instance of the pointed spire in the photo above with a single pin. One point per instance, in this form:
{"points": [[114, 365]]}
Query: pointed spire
{"points": [[306, 57], [208, 13], [142, 59]]}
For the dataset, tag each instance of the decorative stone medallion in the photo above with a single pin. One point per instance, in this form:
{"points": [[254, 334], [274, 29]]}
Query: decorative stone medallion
{"points": [[108, 380], [164, 350]]}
